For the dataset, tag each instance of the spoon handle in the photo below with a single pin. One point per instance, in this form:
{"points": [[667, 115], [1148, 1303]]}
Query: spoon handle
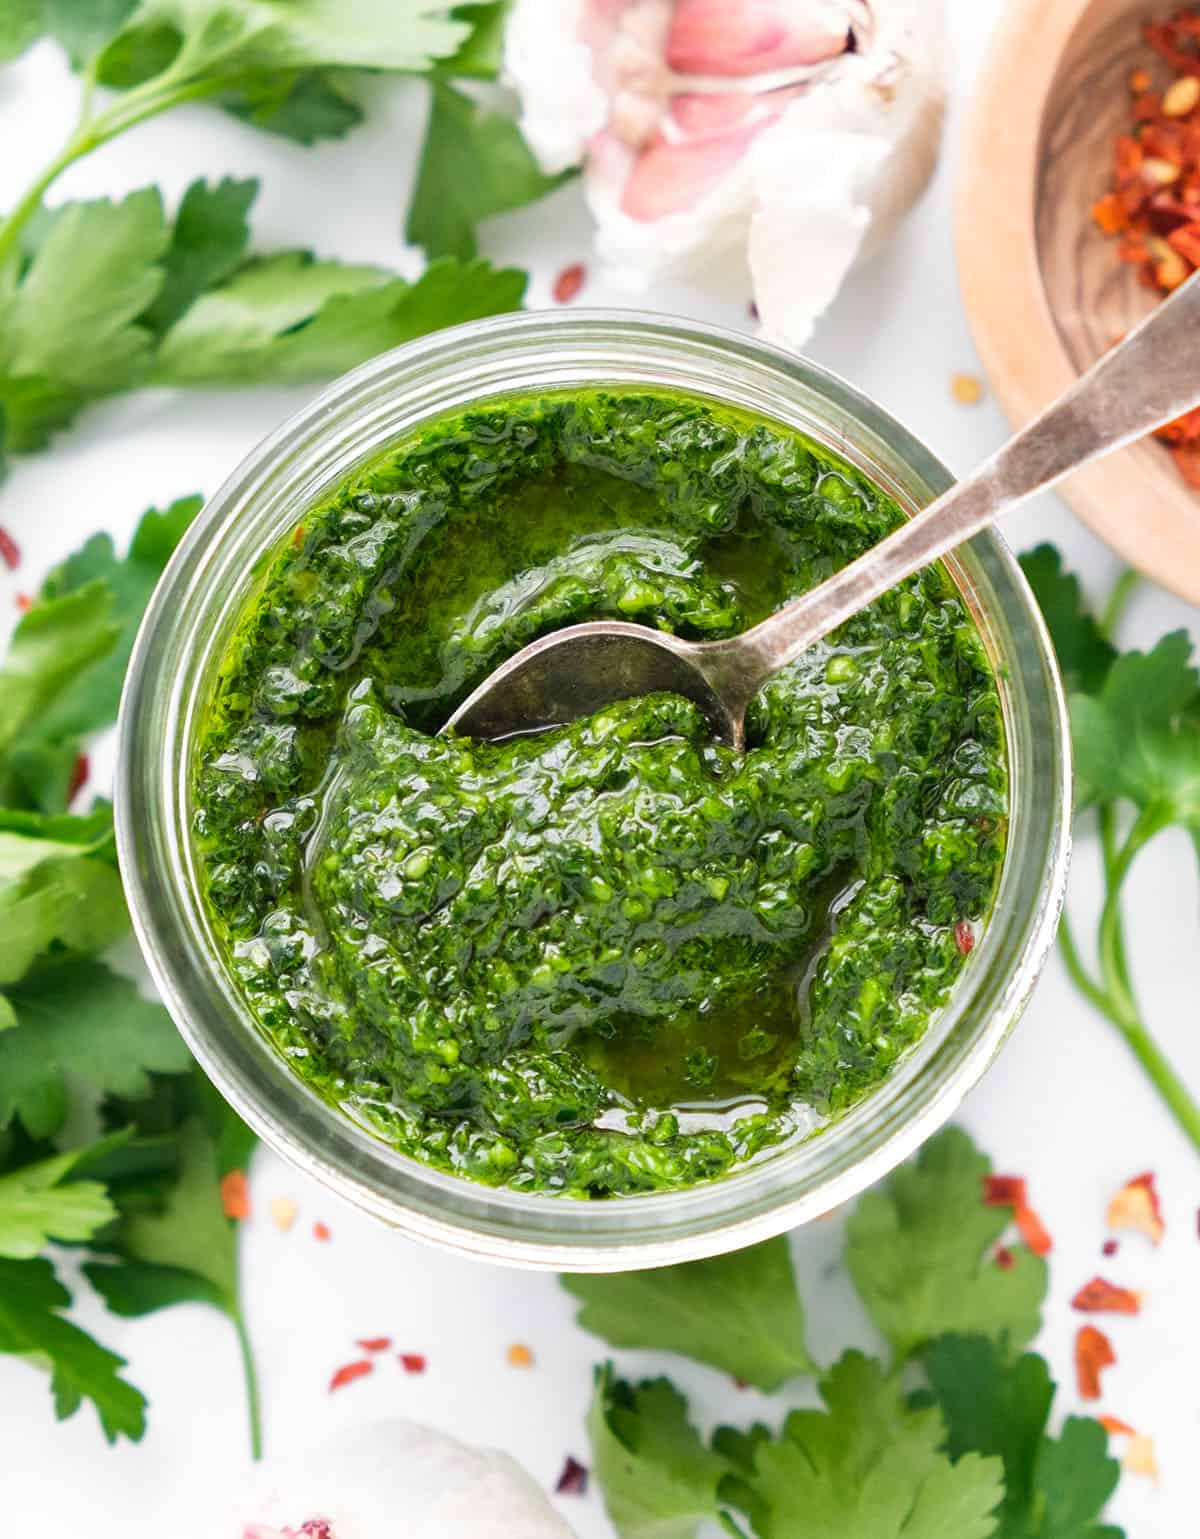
{"points": [[1145, 381]]}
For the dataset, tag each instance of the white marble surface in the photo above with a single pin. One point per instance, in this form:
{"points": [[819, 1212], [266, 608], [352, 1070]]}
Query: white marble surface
{"points": [[1064, 1105]]}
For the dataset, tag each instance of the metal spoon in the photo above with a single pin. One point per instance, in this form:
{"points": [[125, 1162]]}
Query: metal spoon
{"points": [[1150, 378]]}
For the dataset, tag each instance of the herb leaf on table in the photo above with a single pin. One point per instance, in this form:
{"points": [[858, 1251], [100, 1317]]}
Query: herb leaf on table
{"points": [[919, 1249], [740, 1312], [1135, 727]]}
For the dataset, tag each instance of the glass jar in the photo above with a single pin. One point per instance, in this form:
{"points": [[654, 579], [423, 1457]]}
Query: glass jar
{"points": [[198, 604]]}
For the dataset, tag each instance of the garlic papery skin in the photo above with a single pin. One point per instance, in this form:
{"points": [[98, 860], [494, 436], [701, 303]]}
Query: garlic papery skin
{"points": [[395, 1480], [746, 146]]}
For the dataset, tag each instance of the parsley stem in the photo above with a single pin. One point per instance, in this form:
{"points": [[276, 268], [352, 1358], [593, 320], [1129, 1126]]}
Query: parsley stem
{"points": [[1122, 591], [1107, 818], [1150, 821], [250, 1373], [1080, 977]]}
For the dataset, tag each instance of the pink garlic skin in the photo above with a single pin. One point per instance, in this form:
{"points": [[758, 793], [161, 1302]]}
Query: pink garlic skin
{"points": [[747, 146]]}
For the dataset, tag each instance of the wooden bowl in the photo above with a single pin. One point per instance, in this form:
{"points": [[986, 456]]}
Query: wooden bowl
{"points": [[1044, 291]]}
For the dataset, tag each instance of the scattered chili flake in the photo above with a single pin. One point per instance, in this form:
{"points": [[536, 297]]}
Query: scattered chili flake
{"points": [[1099, 1297], [1115, 1427], [752, 310], [964, 937], [413, 1362], [1093, 1353], [1136, 1206], [298, 536], [317, 1528], [741, 1384], [1109, 1248], [1004, 1258], [1032, 1230], [283, 1213], [235, 1194], [967, 389], [1139, 1456], [519, 1355], [568, 283], [1139, 82], [348, 1372], [1004, 1191], [322, 1232], [574, 1478], [10, 551], [79, 775], [23, 602], [375, 1343]]}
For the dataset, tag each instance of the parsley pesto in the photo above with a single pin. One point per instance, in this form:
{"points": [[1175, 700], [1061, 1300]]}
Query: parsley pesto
{"points": [[613, 957]]}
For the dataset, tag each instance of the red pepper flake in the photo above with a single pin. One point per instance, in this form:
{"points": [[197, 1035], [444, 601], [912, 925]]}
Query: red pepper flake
{"points": [[573, 1480], [1099, 1297], [519, 1355], [741, 1383], [752, 310], [1136, 1206], [1033, 1231], [322, 1232], [1109, 1248], [568, 283], [23, 602], [79, 775], [235, 1194], [964, 937], [348, 1372], [10, 551], [375, 1343], [1004, 1258], [1093, 1353], [1115, 1427], [1004, 1191], [413, 1362], [1139, 1456], [317, 1528]]}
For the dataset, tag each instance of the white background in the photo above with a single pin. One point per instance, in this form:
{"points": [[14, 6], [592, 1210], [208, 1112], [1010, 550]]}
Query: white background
{"points": [[1065, 1105]]}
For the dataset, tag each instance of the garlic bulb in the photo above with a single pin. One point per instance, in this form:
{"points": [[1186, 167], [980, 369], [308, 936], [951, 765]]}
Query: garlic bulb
{"points": [[396, 1480], [747, 145]]}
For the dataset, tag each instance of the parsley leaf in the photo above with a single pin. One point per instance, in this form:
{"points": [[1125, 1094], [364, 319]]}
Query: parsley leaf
{"points": [[31, 1324], [304, 105], [1054, 1488], [70, 330], [1139, 738], [869, 1466], [50, 647], [38, 1204], [208, 241], [474, 163], [81, 1018], [291, 318], [740, 1312], [20, 23], [39, 762], [1084, 653], [659, 1480], [917, 1250]]}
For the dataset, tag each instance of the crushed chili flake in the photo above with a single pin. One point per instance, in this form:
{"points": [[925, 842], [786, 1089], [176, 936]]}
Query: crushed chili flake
{"points": [[1115, 1427], [1004, 1191], [283, 1213], [79, 775], [519, 1355], [573, 1480], [317, 1528], [375, 1343], [1032, 1230], [348, 1372], [1004, 1258], [1093, 1353], [413, 1362], [23, 602], [1136, 1206], [235, 1194], [741, 1384], [967, 389], [752, 310], [322, 1232], [964, 937], [1139, 1456], [10, 551], [1100, 1297], [568, 283], [1152, 207]]}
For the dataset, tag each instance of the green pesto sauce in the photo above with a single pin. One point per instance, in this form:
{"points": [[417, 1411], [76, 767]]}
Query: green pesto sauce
{"points": [[613, 957]]}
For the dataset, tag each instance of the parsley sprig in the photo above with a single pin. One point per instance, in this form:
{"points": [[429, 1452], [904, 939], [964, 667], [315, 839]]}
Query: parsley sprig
{"points": [[1135, 728], [944, 1438]]}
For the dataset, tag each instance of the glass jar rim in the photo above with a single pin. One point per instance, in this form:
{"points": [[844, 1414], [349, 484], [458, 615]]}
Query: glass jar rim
{"points": [[188, 621]]}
